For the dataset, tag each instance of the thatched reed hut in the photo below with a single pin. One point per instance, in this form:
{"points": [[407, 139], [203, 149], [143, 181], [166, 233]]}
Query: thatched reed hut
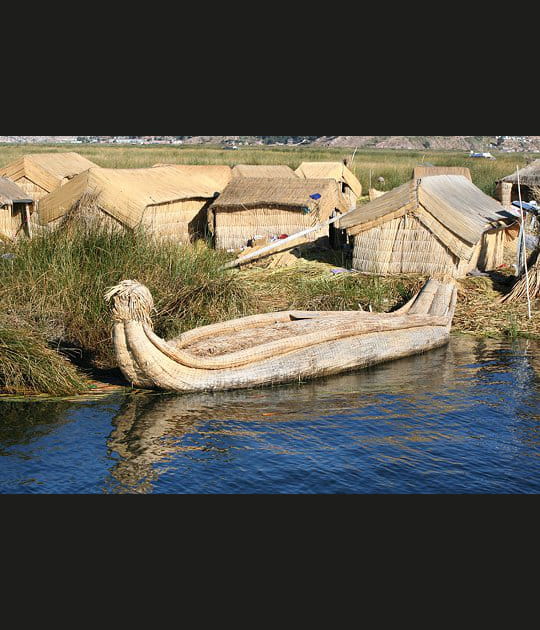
{"points": [[38, 174], [164, 200], [15, 210], [436, 224], [263, 170], [529, 179], [266, 207], [351, 188]]}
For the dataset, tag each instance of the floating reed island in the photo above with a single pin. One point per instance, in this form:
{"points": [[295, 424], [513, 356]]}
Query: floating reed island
{"points": [[153, 223]]}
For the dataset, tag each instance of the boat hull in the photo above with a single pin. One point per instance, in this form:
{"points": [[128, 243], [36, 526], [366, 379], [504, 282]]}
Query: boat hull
{"points": [[146, 365], [314, 344]]}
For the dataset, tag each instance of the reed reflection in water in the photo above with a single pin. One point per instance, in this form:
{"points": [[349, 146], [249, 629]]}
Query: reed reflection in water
{"points": [[459, 419]]}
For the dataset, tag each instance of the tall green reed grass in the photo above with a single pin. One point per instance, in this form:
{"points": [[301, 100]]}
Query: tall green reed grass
{"points": [[56, 283]]}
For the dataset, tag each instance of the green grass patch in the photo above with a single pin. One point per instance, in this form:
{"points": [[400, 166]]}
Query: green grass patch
{"points": [[29, 366]]}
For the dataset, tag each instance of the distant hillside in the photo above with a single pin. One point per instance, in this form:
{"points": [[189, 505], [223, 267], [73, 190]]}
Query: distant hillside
{"points": [[442, 143], [412, 143], [434, 143]]}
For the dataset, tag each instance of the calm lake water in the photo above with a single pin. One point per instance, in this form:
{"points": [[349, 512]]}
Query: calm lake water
{"points": [[460, 419]]}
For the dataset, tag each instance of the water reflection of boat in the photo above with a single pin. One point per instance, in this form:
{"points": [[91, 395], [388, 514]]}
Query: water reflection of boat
{"points": [[274, 347], [152, 429]]}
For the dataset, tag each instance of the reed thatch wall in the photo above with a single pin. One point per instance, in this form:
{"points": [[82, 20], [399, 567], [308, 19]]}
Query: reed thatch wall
{"points": [[32, 189], [267, 207], [184, 221], [503, 193], [402, 245], [405, 245], [10, 222], [233, 229]]}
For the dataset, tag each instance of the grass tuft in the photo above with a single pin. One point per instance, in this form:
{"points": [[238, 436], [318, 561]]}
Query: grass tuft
{"points": [[29, 366]]}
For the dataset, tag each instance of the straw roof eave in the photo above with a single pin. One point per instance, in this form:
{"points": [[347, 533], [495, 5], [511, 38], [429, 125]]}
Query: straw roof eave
{"points": [[389, 204], [254, 192], [528, 176], [11, 193]]}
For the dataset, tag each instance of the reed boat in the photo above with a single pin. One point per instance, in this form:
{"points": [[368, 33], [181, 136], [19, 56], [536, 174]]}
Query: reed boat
{"points": [[273, 348]]}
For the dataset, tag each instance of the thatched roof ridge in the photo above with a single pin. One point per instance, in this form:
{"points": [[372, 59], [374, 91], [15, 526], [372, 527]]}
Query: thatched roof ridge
{"points": [[56, 165], [48, 171], [11, 193], [334, 170], [460, 205], [295, 193], [528, 175], [263, 170], [390, 202], [61, 165], [428, 171], [125, 193]]}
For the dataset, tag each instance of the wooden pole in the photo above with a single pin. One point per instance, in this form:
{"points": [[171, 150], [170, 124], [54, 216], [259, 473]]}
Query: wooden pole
{"points": [[524, 245], [28, 220], [279, 243]]}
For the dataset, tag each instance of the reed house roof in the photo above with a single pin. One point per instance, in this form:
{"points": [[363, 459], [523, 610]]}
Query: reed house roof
{"points": [[528, 176], [428, 171], [10, 193], [450, 206], [263, 170], [333, 170], [125, 194], [292, 193], [215, 175], [47, 170]]}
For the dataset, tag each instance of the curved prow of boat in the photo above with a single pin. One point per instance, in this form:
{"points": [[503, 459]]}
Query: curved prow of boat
{"points": [[274, 347]]}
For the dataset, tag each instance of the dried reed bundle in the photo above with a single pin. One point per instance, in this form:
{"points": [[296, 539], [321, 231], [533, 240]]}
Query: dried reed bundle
{"points": [[273, 347]]}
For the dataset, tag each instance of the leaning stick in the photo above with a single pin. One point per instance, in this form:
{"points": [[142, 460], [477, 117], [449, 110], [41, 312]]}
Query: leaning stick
{"points": [[524, 246], [280, 243]]}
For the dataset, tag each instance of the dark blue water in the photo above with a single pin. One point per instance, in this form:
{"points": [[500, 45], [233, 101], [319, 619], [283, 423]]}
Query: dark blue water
{"points": [[461, 419]]}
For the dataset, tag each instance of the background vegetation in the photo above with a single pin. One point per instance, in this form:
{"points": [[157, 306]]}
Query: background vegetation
{"points": [[394, 166]]}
